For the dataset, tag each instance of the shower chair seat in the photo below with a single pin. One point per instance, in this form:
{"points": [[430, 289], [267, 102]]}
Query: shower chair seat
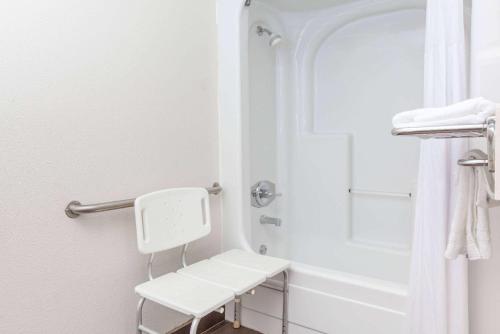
{"points": [[269, 266], [184, 294], [238, 280], [170, 218]]}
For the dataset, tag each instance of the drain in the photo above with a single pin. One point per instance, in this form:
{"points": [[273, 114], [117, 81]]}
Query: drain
{"points": [[263, 249]]}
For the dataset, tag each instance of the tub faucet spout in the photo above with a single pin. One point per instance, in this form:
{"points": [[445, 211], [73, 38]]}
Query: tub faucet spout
{"points": [[266, 220]]}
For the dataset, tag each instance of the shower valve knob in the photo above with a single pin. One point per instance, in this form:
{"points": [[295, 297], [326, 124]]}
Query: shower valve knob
{"points": [[263, 193], [268, 194]]}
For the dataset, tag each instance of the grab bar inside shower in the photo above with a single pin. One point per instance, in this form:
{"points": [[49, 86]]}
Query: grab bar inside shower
{"points": [[75, 208], [379, 193]]}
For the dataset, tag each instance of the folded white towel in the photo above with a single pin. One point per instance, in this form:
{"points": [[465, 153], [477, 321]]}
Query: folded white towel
{"points": [[474, 111], [470, 227]]}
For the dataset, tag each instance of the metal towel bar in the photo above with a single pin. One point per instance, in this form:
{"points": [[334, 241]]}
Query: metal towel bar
{"points": [[75, 208], [449, 131], [473, 162], [459, 131]]}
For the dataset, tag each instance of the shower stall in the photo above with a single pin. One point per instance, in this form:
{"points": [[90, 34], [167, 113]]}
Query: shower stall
{"points": [[310, 171]]}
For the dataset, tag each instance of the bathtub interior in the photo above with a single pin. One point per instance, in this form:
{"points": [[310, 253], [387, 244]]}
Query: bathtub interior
{"points": [[320, 104]]}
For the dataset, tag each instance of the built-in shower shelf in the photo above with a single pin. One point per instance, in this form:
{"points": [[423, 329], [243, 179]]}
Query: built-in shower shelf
{"points": [[486, 130]]}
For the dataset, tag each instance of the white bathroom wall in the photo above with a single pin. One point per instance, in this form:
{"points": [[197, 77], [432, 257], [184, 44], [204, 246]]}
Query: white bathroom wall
{"points": [[99, 100], [484, 277], [265, 129], [262, 122]]}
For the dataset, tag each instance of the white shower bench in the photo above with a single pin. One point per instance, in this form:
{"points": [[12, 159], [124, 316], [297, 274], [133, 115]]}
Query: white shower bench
{"points": [[170, 218]]}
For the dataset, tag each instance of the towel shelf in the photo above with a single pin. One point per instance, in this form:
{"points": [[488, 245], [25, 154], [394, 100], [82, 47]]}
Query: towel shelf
{"points": [[455, 131], [486, 130], [75, 208]]}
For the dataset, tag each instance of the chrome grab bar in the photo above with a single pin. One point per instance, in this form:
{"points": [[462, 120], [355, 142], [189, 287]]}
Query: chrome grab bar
{"points": [[75, 208], [379, 193]]}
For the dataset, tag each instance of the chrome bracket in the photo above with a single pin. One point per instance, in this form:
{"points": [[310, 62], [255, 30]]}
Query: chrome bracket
{"points": [[69, 212], [489, 133], [490, 137]]}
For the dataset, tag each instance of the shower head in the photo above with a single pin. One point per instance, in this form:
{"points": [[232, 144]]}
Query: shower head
{"points": [[274, 39]]}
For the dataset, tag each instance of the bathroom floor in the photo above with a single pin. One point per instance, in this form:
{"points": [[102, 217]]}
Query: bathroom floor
{"points": [[214, 323], [227, 328]]}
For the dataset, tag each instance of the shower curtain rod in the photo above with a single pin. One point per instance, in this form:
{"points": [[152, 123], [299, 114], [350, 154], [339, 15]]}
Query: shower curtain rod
{"points": [[75, 208]]}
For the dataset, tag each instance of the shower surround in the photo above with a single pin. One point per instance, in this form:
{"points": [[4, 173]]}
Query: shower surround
{"points": [[312, 115]]}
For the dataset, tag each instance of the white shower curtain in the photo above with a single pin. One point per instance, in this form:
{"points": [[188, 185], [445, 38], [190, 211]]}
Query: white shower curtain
{"points": [[438, 287]]}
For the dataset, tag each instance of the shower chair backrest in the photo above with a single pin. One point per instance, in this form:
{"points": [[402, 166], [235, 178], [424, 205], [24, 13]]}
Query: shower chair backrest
{"points": [[171, 218]]}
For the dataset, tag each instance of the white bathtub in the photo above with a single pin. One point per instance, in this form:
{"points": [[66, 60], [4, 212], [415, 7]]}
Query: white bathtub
{"points": [[369, 296]]}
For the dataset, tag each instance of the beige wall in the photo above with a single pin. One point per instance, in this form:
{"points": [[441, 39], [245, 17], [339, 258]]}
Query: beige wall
{"points": [[99, 100]]}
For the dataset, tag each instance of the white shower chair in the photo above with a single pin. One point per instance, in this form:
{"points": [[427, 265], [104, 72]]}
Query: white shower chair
{"points": [[175, 217]]}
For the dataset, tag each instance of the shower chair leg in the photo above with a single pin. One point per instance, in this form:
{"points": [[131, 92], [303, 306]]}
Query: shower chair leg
{"points": [[139, 315], [194, 326], [284, 327], [141, 329], [284, 324], [237, 312]]}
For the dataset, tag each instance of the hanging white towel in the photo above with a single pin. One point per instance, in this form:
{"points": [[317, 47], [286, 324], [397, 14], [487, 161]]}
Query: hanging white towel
{"points": [[470, 229], [473, 111]]}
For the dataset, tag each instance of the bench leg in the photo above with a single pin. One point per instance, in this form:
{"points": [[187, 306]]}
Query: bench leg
{"points": [[194, 326], [284, 326], [237, 312], [139, 315]]}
